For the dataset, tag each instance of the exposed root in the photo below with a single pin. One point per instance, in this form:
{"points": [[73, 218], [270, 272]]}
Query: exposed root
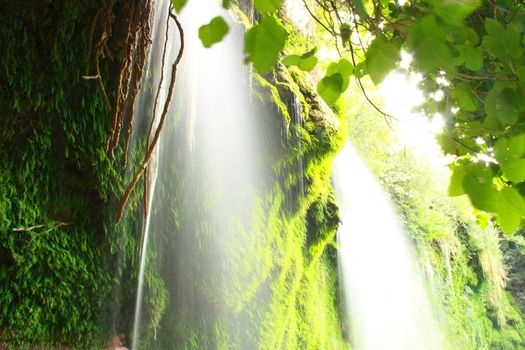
{"points": [[152, 123], [128, 82], [103, 19], [50, 227], [151, 147], [130, 73]]}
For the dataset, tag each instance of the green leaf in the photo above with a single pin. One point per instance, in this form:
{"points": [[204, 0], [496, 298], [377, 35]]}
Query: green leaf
{"points": [[178, 4], [514, 169], [343, 67], [336, 80], [226, 4], [502, 43], [360, 8], [264, 42], [510, 209], [381, 59], [494, 27], [472, 37], [305, 62], [454, 11], [502, 105], [473, 58], [494, 47], [330, 88], [267, 6], [509, 153], [426, 39], [346, 32], [463, 95], [517, 145], [213, 32], [510, 148], [455, 187], [477, 183]]}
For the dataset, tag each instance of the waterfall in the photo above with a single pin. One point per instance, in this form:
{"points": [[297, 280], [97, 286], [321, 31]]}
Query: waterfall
{"points": [[212, 164], [385, 297]]}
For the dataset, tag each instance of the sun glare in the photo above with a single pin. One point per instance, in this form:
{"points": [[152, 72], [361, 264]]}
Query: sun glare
{"points": [[415, 130]]}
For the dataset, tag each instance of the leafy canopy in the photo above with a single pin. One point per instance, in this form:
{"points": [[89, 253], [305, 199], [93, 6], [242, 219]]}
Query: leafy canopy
{"points": [[477, 46]]}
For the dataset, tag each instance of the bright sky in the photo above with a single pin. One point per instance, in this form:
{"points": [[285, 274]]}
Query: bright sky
{"points": [[415, 130]]}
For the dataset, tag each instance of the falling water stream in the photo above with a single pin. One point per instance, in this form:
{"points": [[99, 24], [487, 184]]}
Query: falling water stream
{"points": [[210, 160], [384, 291], [145, 107]]}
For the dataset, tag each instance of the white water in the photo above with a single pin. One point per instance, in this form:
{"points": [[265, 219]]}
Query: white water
{"points": [[215, 146], [384, 292]]}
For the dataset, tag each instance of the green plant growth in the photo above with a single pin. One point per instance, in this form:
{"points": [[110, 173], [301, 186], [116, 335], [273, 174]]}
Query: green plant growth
{"points": [[464, 264], [60, 256], [478, 46]]}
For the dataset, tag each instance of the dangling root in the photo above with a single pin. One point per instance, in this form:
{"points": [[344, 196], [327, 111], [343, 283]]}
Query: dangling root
{"points": [[155, 104], [105, 16], [151, 148], [130, 74]]}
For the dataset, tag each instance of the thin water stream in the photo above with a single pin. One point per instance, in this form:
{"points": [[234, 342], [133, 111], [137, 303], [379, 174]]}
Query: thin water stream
{"points": [[155, 76]]}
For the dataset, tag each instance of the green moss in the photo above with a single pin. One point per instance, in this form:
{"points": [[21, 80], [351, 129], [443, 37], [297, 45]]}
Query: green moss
{"points": [[56, 279]]}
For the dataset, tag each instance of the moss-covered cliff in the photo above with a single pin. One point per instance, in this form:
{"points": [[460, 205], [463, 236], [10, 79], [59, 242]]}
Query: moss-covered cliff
{"points": [[68, 272], [57, 185]]}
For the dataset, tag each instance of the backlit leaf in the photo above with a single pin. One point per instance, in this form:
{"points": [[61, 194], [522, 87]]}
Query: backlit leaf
{"points": [[502, 105], [464, 96], [305, 62], [510, 209], [473, 58], [263, 43], [455, 187], [267, 6], [454, 11], [381, 59], [213, 32], [477, 183], [330, 88], [178, 4], [344, 67]]}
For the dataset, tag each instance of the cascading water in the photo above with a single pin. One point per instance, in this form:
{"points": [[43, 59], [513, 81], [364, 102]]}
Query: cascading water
{"points": [[384, 292], [211, 167]]}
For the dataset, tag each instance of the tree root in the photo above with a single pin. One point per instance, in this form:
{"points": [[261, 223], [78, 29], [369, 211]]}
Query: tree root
{"points": [[152, 123], [130, 74], [50, 227], [104, 18], [151, 147], [128, 83]]}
